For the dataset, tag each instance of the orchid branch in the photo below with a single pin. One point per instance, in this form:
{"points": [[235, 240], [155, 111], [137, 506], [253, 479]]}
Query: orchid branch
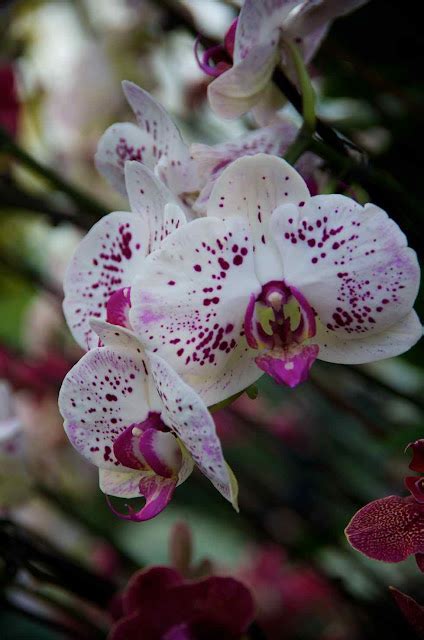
{"points": [[83, 200], [306, 88], [13, 197]]}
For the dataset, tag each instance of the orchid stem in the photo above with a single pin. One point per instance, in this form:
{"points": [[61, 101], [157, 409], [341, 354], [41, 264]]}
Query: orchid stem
{"points": [[83, 200], [299, 146], [306, 88]]}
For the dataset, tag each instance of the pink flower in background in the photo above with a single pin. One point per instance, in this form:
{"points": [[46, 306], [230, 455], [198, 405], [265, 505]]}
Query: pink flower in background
{"points": [[292, 601], [186, 173], [257, 47], [9, 103], [273, 278], [158, 604], [392, 529], [129, 414]]}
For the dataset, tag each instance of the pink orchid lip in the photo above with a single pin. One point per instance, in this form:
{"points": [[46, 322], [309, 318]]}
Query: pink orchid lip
{"points": [[127, 448], [275, 295], [221, 55]]}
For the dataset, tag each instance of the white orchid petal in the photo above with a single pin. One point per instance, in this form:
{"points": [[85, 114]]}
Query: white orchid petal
{"points": [[253, 188], [187, 416], [102, 395], [316, 15], [107, 259], [212, 161], [237, 90], [167, 146], [259, 23], [394, 341], [148, 198], [121, 142], [121, 484], [188, 304], [352, 264]]}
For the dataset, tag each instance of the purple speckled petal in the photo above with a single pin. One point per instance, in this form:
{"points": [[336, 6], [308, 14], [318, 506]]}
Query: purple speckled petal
{"points": [[149, 199], [188, 304], [289, 368], [187, 416], [107, 259], [259, 23], [167, 146], [253, 187], [389, 529], [351, 263], [103, 394], [396, 340], [274, 140], [121, 142]]}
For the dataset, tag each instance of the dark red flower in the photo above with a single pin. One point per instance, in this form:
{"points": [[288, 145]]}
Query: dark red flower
{"points": [[391, 529], [417, 462], [9, 104], [412, 611], [158, 604]]}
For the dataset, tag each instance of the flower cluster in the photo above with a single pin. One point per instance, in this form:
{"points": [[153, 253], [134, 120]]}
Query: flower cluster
{"points": [[226, 267]]}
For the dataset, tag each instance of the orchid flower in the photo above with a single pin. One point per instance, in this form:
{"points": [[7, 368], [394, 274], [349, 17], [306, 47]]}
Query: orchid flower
{"points": [[187, 172], [154, 141], [273, 278], [127, 412], [103, 267], [158, 604], [263, 28], [391, 529]]}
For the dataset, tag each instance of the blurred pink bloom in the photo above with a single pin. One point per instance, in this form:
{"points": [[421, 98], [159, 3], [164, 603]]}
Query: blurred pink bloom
{"points": [[391, 529], [158, 604], [291, 600], [9, 103]]}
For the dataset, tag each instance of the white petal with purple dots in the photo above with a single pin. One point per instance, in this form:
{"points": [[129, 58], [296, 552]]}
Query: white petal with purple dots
{"points": [[188, 304], [106, 260]]}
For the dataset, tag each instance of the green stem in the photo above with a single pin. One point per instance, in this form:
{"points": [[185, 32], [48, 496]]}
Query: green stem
{"points": [[299, 146], [306, 88], [83, 200]]}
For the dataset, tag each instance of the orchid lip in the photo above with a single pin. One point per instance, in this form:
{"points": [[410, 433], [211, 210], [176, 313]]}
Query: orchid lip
{"points": [[268, 321]]}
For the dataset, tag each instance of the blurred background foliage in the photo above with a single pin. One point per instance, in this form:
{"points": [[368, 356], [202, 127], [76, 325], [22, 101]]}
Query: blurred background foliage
{"points": [[306, 459]]}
